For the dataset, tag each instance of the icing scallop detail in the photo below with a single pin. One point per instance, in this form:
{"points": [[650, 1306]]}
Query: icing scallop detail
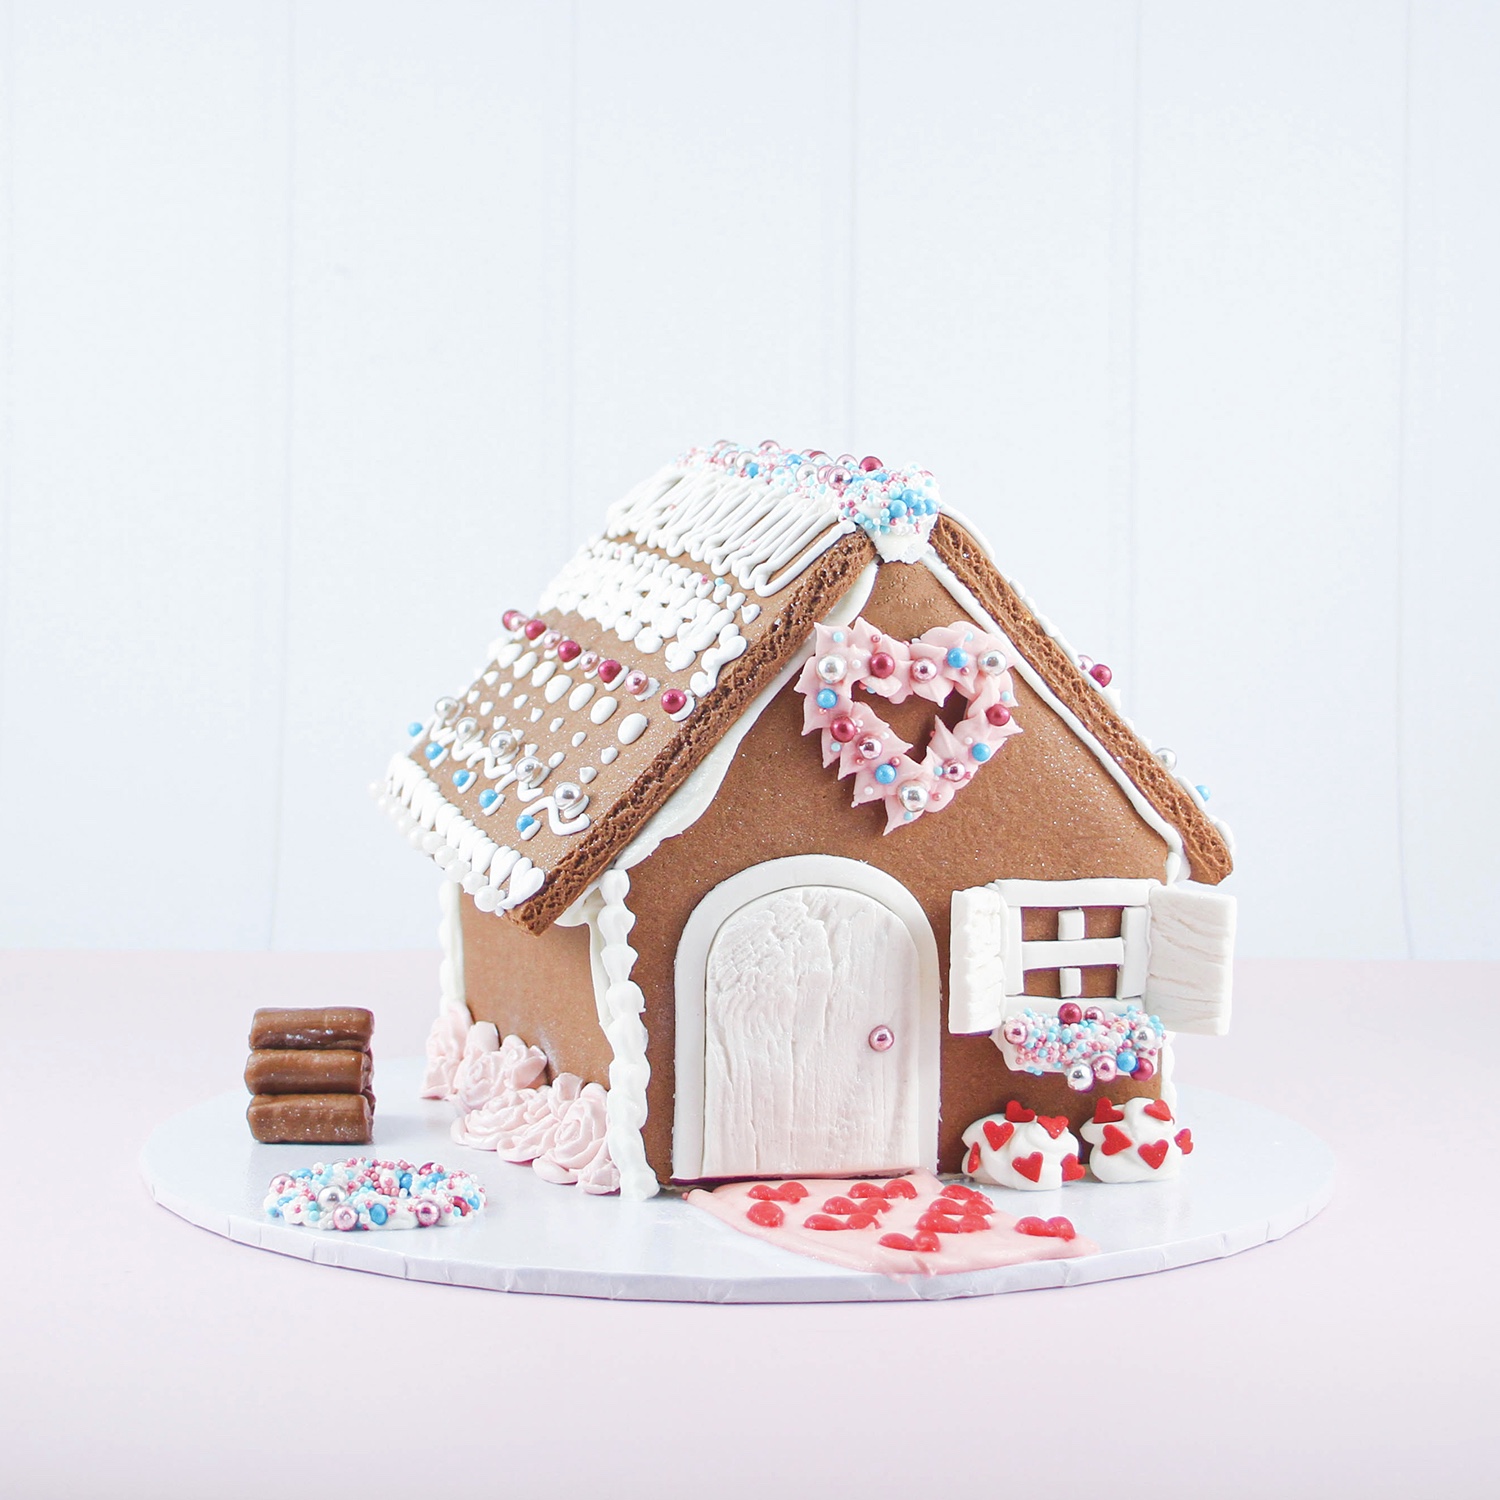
{"points": [[1137, 1141], [1023, 1150], [557, 687], [603, 709], [906, 1226], [581, 695], [632, 727]]}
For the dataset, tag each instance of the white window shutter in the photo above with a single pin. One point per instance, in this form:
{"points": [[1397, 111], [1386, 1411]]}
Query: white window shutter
{"points": [[1188, 977], [977, 960]]}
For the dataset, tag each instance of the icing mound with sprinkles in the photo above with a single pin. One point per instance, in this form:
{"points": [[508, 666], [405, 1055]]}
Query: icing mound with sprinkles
{"points": [[895, 507], [363, 1193], [1087, 1043]]}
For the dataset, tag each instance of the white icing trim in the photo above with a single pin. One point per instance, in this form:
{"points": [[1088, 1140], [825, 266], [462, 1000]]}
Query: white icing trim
{"points": [[692, 799], [621, 1003], [692, 966], [451, 992], [1176, 863]]}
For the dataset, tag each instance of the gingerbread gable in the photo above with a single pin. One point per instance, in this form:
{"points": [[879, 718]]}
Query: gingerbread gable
{"points": [[669, 633]]}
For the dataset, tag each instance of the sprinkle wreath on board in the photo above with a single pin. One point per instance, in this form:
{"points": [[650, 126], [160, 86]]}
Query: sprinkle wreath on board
{"points": [[957, 656]]}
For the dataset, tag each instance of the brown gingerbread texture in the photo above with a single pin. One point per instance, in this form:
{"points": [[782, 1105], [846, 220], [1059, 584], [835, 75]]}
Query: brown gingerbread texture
{"points": [[1044, 809]]}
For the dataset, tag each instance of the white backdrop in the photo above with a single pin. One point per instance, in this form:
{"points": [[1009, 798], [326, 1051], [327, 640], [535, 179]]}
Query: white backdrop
{"points": [[329, 329]]}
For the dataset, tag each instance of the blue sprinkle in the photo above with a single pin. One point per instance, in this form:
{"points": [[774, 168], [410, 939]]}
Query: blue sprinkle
{"points": [[1203, 792], [377, 1212], [414, 728], [463, 780], [838, 636], [898, 508], [981, 753], [752, 470], [827, 698], [488, 798], [524, 822], [1125, 1062], [885, 775], [405, 1181], [958, 657], [432, 752]]}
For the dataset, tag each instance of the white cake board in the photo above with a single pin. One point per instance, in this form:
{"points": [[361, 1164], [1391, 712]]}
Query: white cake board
{"points": [[1254, 1177]]}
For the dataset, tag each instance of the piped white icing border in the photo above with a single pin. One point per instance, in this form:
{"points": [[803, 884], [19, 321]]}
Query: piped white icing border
{"points": [[621, 1004], [451, 992]]}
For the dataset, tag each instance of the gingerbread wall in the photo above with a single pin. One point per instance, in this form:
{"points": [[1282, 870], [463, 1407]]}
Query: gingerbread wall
{"points": [[1042, 809]]}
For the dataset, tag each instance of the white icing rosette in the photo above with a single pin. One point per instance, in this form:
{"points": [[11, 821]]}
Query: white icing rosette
{"points": [[445, 1050], [1137, 1141], [1021, 1149]]}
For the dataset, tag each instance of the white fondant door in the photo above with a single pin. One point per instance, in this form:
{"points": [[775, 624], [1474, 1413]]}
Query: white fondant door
{"points": [[810, 1038]]}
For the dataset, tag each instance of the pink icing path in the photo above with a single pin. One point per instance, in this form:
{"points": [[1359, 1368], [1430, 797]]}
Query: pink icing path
{"points": [[861, 1250]]}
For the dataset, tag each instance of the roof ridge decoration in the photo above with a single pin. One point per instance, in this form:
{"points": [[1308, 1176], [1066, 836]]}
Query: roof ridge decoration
{"points": [[678, 577]]}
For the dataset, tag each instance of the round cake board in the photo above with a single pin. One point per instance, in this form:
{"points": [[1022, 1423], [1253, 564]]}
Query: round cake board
{"points": [[1253, 1177]]}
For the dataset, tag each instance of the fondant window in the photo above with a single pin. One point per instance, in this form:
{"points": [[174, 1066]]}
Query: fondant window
{"points": [[1034, 943]]}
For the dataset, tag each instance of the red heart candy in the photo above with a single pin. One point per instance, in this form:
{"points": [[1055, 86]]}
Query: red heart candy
{"points": [[1115, 1141], [900, 1187], [1018, 1114], [898, 1242], [1030, 1167], [971, 1163], [1154, 1153], [1158, 1110], [1030, 1225], [791, 1192], [1061, 1228], [998, 1135], [767, 1215], [938, 1222], [1105, 1113], [862, 1221], [841, 1206], [1184, 1139], [867, 1190], [1054, 1125], [1072, 1168], [957, 1190], [972, 1223], [926, 1241], [765, 1191], [822, 1221], [972, 1199]]}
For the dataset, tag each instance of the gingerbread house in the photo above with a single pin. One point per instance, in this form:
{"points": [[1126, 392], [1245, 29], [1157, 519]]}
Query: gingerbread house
{"points": [[787, 819]]}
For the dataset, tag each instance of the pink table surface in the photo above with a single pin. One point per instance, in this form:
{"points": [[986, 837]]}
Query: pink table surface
{"points": [[141, 1356]]}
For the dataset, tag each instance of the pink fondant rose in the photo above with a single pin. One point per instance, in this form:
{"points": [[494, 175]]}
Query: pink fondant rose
{"points": [[579, 1140], [445, 1050], [491, 1067]]}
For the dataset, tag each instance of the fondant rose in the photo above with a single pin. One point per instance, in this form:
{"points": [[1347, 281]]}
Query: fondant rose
{"points": [[520, 1065], [581, 1127], [540, 1115], [495, 1120], [445, 1050]]}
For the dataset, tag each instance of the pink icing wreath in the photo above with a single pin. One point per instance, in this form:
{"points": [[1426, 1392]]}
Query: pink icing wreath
{"points": [[959, 656]]}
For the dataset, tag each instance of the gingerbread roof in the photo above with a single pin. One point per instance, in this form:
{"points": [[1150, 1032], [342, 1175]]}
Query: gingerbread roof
{"points": [[649, 648]]}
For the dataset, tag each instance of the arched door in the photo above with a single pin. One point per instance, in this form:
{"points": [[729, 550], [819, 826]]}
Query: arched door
{"points": [[811, 1037]]}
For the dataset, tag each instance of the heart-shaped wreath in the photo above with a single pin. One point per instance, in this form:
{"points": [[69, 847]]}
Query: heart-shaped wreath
{"points": [[959, 656]]}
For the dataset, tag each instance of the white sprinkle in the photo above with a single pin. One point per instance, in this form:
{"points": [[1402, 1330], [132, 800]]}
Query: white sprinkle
{"points": [[609, 755], [632, 728], [487, 707], [556, 760], [557, 687], [473, 696], [524, 665], [581, 695], [490, 678], [587, 774], [520, 700], [602, 710], [542, 673], [749, 613], [536, 714], [554, 726], [578, 738]]}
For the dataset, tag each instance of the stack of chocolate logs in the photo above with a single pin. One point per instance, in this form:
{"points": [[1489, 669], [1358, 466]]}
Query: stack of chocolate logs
{"points": [[309, 1072]]}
